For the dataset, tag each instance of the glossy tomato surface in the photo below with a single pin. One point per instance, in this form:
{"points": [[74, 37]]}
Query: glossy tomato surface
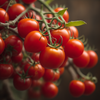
{"points": [[49, 90], [76, 88], [51, 58], [74, 48]]}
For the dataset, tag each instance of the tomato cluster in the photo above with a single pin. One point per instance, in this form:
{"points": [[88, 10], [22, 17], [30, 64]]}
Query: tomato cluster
{"points": [[41, 55]]}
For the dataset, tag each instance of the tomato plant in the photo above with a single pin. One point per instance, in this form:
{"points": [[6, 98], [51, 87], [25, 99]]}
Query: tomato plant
{"points": [[28, 1]]}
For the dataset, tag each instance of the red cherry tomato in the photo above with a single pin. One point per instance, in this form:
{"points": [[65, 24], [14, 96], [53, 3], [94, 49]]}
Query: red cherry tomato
{"points": [[61, 70], [93, 58], [51, 58], [14, 43], [76, 88], [6, 70], [4, 17], [51, 75], [49, 90], [36, 72], [21, 84], [73, 31], [35, 57], [65, 15], [2, 45], [25, 26], [18, 58], [74, 48], [82, 61], [61, 33], [35, 42], [15, 10], [28, 1], [89, 87]]}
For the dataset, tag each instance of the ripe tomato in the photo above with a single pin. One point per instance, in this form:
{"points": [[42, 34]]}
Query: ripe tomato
{"points": [[89, 87], [36, 72], [2, 45], [73, 31], [28, 1], [76, 88], [65, 15], [34, 93], [93, 58], [15, 10], [49, 16], [35, 42], [37, 83], [61, 70], [51, 75], [25, 26], [51, 58], [6, 70], [18, 58], [20, 83], [3, 4], [4, 17], [82, 61], [35, 57], [61, 33], [49, 90], [14, 44], [74, 48]]}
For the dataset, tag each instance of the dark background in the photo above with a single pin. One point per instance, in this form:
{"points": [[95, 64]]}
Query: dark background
{"points": [[88, 11]]}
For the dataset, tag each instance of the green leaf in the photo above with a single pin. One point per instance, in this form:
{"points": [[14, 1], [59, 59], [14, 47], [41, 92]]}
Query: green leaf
{"points": [[48, 1], [75, 23], [61, 12]]}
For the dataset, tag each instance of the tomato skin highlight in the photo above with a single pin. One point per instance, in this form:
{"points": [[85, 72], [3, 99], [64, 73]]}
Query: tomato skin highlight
{"points": [[20, 84], [76, 88], [51, 58], [74, 48], [25, 26], [82, 61], [6, 70], [35, 42], [89, 87], [2, 45], [93, 59], [49, 90]]}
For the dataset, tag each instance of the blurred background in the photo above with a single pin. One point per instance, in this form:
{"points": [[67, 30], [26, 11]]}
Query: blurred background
{"points": [[88, 11]]}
